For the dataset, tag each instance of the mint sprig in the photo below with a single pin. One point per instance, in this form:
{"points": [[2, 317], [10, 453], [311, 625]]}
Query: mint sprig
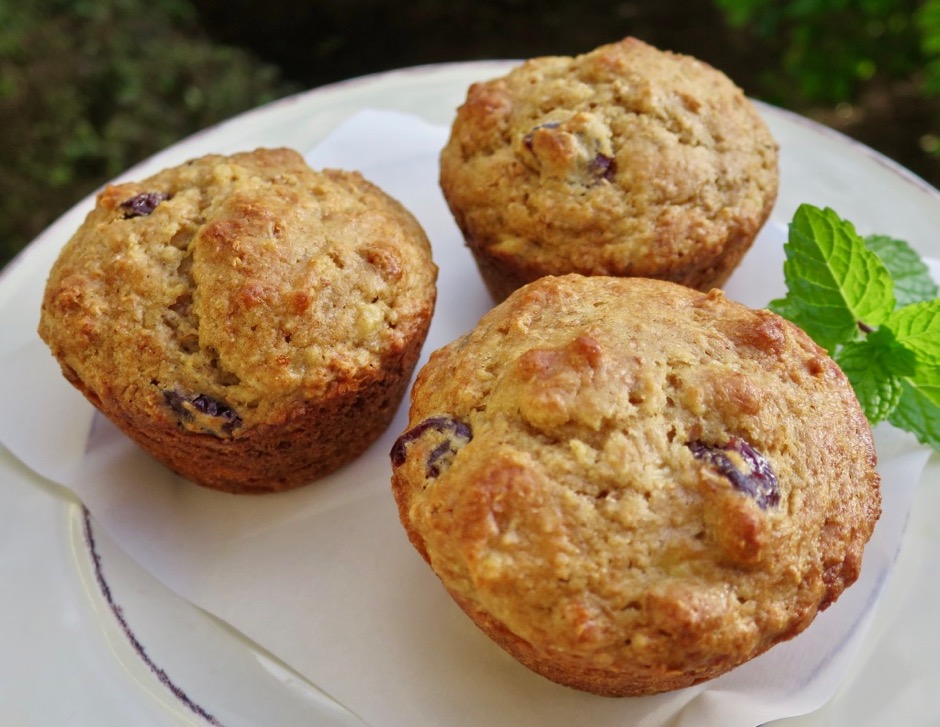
{"points": [[833, 280], [872, 304], [912, 281], [876, 367]]}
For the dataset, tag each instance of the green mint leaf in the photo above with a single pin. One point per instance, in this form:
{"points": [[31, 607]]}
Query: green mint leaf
{"points": [[839, 287], [915, 413], [917, 329], [876, 367], [833, 280], [911, 276]]}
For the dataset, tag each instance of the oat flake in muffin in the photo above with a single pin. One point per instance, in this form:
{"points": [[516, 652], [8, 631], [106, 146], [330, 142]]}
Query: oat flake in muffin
{"points": [[633, 486], [250, 322], [626, 160]]}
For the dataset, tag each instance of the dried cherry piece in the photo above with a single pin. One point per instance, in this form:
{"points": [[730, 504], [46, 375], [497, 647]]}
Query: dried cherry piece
{"points": [[204, 405], [142, 204], [175, 401], [527, 139], [746, 468], [455, 432], [603, 167], [214, 407]]}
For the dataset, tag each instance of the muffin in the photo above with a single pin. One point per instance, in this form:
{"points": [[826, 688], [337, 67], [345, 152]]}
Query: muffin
{"points": [[625, 161], [251, 323], [633, 486]]}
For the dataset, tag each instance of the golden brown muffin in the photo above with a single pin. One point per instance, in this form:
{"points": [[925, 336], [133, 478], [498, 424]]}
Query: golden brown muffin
{"points": [[633, 486], [250, 322], [623, 161]]}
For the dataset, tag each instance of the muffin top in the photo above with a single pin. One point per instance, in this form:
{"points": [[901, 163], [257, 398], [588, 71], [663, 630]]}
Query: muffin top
{"points": [[634, 477], [626, 160], [231, 288]]}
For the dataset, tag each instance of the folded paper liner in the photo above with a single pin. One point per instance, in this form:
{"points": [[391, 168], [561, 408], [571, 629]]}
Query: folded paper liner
{"points": [[324, 577]]}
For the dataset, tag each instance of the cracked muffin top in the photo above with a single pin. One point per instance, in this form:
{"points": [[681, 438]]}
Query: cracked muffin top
{"points": [[225, 292], [626, 160], [633, 486]]}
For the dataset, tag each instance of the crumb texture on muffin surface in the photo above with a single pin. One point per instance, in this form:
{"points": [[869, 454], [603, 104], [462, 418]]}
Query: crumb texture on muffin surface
{"points": [[643, 495], [626, 160], [232, 296]]}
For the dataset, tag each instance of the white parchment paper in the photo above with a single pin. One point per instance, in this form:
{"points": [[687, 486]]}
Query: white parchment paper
{"points": [[324, 578]]}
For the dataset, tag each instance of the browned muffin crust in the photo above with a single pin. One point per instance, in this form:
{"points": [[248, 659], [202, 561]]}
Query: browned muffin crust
{"points": [[632, 486], [248, 321], [625, 161]]}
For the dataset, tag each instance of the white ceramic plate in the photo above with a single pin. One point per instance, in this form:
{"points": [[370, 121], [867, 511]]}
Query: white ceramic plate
{"points": [[89, 638]]}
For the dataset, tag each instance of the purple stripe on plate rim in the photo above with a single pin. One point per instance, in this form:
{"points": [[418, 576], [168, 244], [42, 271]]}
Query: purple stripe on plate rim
{"points": [[118, 612]]}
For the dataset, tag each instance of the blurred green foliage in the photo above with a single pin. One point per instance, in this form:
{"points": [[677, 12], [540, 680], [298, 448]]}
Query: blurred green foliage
{"points": [[928, 22], [90, 87], [829, 48]]}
